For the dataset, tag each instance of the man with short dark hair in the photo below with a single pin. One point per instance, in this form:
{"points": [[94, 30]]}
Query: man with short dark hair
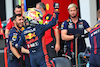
{"points": [[14, 56], [52, 45], [10, 23]]}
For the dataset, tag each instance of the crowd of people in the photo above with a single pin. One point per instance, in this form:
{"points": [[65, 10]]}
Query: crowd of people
{"points": [[35, 40]]}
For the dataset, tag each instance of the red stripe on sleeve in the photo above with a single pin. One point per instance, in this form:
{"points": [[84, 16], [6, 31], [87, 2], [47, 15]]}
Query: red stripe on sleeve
{"points": [[95, 45]]}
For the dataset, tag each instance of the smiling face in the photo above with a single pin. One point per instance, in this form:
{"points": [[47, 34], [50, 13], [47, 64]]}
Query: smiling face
{"points": [[73, 12], [19, 21]]}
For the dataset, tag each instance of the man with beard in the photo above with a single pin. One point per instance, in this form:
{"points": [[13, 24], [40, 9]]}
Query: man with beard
{"points": [[71, 28], [14, 56], [10, 23]]}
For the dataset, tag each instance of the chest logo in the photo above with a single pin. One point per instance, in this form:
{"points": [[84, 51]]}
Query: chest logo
{"points": [[30, 36], [70, 25]]}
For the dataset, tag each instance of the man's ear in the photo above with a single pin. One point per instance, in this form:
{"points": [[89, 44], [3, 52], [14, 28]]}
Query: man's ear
{"points": [[42, 9], [14, 11], [14, 21]]}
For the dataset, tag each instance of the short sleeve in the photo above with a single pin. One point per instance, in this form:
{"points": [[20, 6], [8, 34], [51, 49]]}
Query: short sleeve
{"points": [[64, 25], [86, 25], [9, 24], [56, 26], [14, 37], [0, 24]]}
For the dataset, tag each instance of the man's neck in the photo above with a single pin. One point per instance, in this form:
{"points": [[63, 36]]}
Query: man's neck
{"points": [[98, 19], [43, 12], [75, 19], [17, 27]]}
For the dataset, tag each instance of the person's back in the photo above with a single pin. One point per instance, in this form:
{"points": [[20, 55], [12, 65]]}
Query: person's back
{"points": [[32, 37], [94, 37]]}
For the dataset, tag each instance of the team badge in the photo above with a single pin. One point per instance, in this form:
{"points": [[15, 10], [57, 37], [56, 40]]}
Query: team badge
{"points": [[70, 25], [14, 36]]}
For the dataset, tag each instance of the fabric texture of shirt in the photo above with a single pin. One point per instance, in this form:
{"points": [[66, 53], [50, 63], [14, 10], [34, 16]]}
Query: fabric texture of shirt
{"points": [[94, 37]]}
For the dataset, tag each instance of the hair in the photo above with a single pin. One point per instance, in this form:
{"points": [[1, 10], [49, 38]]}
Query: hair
{"points": [[14, 16], [41, 5], [72, 5], [17, 6], [98, 13]]}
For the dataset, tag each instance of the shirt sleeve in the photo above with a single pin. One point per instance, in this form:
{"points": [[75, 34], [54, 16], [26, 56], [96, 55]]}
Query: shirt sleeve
{"points": [[86, 25], [0, 24], [14, 37], [9, 24], [44, 27], [89, 37], [21, 41], [64, 25], [56, 26]]}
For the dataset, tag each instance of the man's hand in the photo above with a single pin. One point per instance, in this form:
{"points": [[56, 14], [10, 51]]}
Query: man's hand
{"points": [[77, 35], [85, 35], [56, 5], [22, 62], [57, 47]]}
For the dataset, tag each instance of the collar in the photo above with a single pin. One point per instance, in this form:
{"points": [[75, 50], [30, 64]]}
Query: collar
{"points": [[98, 21], [72, 22], [17, 30]]}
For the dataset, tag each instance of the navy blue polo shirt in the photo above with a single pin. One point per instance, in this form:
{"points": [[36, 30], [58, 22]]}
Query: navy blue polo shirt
{"points": [[14, 37], [94, 37], [73, 29]]}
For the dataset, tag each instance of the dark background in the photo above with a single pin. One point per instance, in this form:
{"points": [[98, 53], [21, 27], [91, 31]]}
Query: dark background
{"points": [[2, 10], [32, 3]]}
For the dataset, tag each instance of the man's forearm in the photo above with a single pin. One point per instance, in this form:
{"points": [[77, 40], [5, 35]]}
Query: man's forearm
{"points": [[23, 50], [6, 33], [57, 36], [14, 51], [1, 30]]}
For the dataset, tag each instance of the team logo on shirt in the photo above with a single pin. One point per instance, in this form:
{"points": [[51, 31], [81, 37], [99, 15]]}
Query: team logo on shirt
{"points": [[22, 28], [14, 36], [30, 35], [62, 26], [32, 42], [47, 17], [80, 25], [96, 25], [70, 25]]}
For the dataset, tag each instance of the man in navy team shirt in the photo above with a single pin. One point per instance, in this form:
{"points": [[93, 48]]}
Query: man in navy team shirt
{"points": [[71, 28], [94, 37]]}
